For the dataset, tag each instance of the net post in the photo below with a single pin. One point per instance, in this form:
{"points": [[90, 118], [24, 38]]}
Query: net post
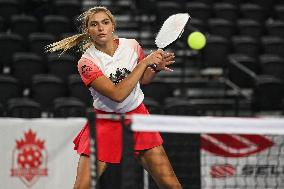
{"points": [[131, 172], [91, 116], [145, 179]]}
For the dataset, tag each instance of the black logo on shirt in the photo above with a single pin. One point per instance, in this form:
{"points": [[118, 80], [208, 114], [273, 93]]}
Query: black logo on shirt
{"points": [[86, 69], [119, 75]]}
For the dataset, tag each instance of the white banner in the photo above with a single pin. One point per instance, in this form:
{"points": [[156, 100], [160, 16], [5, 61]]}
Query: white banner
{"points": [[38, 153], [242, 161]]}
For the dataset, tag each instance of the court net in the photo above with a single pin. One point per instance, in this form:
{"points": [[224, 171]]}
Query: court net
{"points": [[221, 152]]}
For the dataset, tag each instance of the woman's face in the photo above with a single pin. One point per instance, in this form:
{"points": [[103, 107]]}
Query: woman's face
{"points": [[100, 28]]}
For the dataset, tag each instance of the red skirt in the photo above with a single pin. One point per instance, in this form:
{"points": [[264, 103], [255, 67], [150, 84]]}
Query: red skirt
{"points": [[109, 140]]}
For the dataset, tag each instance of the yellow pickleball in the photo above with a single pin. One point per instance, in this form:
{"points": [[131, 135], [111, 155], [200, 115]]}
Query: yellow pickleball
{"points": [[196, 40]]}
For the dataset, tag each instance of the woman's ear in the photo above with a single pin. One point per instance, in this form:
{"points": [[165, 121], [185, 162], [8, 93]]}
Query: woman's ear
{"points": [[113, 29]]}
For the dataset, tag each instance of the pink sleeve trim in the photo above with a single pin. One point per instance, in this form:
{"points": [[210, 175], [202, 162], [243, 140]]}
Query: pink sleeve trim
{"points": [[88, 70]]}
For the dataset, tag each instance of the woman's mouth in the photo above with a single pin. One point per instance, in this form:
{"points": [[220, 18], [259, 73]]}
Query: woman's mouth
{"points": [[102, 35]]}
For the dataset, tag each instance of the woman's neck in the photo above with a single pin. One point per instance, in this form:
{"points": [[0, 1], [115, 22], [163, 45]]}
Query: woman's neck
{"points": [[108, 48]]}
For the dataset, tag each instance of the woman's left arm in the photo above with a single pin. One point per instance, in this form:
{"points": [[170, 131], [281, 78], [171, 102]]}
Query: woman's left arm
{"points": [[150, 73]]}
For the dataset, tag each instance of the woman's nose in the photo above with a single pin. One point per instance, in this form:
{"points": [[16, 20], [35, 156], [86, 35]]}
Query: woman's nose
{"points": [[100, 27]]}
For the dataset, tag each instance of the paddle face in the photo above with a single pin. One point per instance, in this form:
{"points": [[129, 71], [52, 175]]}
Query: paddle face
{"points": [[171, 29]]}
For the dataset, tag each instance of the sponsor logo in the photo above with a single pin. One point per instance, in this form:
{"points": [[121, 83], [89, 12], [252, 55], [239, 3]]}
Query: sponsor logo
{"points": [[234, 145], [29, 159], [262, 170], [222, 171]]}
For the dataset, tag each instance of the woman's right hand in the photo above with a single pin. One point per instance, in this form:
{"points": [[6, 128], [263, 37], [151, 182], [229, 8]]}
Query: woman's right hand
{"points": [[154, 58]]}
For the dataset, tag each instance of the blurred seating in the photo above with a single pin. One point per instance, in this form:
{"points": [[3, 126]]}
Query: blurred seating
{"points": [[68, 8], [233, 2], [153, 106], [275, 28], [222, 27], [267, 6], [125, 22], [195, 24], [25, 65], [37, 8], [68, 107], [61, 66], [226, 11], [283, 107], [144, 8], [249, 27], [45, 88], [239, 73], [198, 10], [273, 45], [9, 8], [268, 94], [179, 106], [246, 45], [279, 9], [253, 11], [207, 2], [147, 40], [10, 44], [122, 7], [213, 57], [2, 110], [38, 42], [23, 108], [165, 9], [3, 26], [56, 25], [23, 25], [272, 65], [215, 107], [77, 89], [213, 89], [9, 88], [158, 90], [251, 63]]}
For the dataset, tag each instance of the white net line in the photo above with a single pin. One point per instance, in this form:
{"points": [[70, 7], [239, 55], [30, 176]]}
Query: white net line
{"points": [[235, 153], [222, 125]]}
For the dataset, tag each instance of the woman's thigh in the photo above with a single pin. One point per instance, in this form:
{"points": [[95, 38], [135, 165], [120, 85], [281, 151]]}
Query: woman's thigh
{"points": [[83, 178], [156, 162]]}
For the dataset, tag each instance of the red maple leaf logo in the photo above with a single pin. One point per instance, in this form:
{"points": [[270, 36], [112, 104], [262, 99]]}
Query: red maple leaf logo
{"points": [[30, 139], [29, 158]]}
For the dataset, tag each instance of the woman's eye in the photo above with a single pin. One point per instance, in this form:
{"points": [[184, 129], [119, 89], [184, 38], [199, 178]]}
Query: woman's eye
{"points": [[106, 22], [93, 24]]}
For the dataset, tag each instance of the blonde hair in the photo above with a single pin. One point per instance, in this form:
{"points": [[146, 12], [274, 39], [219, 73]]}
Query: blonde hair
{"points": [[82, 39]]}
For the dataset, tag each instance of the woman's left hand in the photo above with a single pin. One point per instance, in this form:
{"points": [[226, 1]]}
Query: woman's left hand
{"points": [[168, 59]]}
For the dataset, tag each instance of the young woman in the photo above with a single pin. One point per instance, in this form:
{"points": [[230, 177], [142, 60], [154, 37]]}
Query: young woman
{"points": [[113, 69]]}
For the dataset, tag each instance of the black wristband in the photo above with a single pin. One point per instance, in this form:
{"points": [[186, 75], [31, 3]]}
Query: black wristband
{"points": [[154, 68]]}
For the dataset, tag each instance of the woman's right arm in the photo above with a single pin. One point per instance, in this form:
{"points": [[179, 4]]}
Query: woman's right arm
{"points": [[121, 91]]}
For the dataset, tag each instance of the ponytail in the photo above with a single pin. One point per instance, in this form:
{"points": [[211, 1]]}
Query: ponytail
{"points": [[67, 43]]}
